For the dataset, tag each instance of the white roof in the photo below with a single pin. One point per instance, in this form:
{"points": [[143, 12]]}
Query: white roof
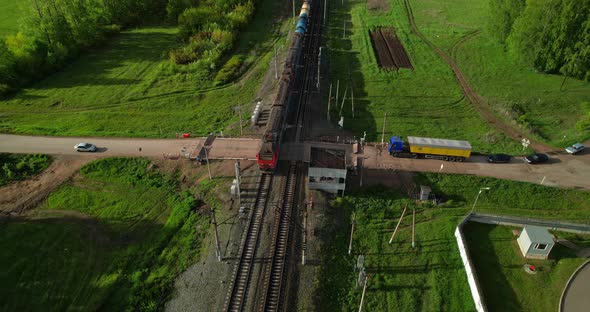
{"points": [[444, 143], [538, 234]]}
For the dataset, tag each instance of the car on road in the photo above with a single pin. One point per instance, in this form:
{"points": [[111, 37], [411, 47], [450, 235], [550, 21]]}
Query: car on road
{"points": [[574, 149], [536, 158], [499, 158], [85, 147]]}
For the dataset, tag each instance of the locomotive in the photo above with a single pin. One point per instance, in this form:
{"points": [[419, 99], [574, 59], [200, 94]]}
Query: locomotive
{"points": [[268, 155]]}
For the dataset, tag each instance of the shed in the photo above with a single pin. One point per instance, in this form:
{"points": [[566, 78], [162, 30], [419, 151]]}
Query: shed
{"points": [[535, 242], [425, 192]]}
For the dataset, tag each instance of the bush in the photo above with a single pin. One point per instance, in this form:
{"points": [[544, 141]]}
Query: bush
{"points": [[230, 70], [18, 167]]}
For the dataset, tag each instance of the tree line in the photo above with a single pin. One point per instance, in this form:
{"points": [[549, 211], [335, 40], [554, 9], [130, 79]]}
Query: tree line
{"points": [[53, 32], [553, 36]]}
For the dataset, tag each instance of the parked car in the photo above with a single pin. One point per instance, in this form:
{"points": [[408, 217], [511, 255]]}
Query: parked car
{"points": [[574, 149], [85, 147], [536, 158], [499, 158]]}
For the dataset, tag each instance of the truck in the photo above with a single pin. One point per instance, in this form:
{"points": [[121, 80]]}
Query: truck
{"points": [[417, 147]]}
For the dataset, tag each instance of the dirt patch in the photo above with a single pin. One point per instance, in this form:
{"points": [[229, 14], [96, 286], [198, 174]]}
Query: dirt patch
{"points": [[389, 51], [378, 5], [17, 198]]}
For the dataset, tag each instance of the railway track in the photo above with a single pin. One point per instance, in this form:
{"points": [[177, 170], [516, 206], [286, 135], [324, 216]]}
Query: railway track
{"points": [[276, 276], [274, 286], [238, 293]]}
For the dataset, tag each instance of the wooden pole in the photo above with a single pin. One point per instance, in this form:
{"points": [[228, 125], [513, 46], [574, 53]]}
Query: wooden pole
{"points": [[337, 91], [352, 100], [217, 249], [329, 99], [351, 232], [414, 227], [398, 223], [383, 132], [363, 295], [343, 99]]}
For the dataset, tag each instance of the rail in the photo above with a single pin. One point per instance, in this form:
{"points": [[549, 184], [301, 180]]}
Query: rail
{"points": [[238, 292]]}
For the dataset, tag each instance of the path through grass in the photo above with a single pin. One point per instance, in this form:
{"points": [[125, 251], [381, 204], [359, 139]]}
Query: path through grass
{"points": [[426, 101], [514, 91]]}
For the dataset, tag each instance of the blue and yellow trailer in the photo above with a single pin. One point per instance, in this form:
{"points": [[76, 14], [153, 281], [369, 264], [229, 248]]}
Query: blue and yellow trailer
{"points": [[451, 150]]}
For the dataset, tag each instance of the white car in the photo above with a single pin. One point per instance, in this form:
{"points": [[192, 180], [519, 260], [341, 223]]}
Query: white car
{"points": [[574, 149], [85, 147]]}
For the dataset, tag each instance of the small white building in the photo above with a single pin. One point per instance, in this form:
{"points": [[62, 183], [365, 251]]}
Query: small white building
{"points": [[327, 170], [535, 242]]}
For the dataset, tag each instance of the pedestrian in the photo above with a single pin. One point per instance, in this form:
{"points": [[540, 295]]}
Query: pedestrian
{"points": [[140, 149]]}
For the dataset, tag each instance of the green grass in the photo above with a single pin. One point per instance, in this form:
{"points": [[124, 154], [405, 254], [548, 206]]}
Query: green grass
{"points": [[514, 91], [14, 167], [499, 265], [114, 238], [424, 102], [9, 16], [430, 277], [509, 197], [129, 88]]}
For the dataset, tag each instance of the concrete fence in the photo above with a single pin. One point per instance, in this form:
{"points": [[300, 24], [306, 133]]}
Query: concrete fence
{"points": [[469, 269], [507, 221]]}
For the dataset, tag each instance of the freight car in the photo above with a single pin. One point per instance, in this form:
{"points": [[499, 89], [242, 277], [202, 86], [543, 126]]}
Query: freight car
{"points": [[268, 154], [451, 150]]}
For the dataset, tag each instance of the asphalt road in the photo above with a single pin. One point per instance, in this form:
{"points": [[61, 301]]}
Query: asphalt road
{"points": [[223, 148], [563, 170]]}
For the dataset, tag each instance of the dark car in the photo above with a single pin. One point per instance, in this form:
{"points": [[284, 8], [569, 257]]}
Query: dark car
{"points": [[536, 158], [499, 158]]}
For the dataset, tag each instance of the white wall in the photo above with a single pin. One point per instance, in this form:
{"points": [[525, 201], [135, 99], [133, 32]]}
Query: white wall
{"points": [[471, 275]]}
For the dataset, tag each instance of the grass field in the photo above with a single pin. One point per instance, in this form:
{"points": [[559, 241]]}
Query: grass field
{"points": [[129, 88], [505, 284], [424, 102], [113, 238], [10, 12], [430, 277], [509, 197], [514, 91], [14, 167]]}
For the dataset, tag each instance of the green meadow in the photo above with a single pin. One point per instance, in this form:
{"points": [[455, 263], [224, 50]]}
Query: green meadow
{"points": [[113, 238]]}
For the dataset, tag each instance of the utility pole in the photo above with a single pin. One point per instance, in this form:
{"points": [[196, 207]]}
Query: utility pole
{"points": [[329, 99], [217, 249], [294, 20], [304, 247], [414, 227], [276, 66], [363, 295], [207, 159], [352, 232], [325, 4], [343, 99], [398, 223], [238, 179], [319, 66], [352, 99], [383, 132], [337, 90]]}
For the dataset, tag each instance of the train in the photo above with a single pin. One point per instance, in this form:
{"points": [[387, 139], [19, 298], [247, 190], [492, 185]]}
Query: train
{"points": [[267, 156], [418, 147]]}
